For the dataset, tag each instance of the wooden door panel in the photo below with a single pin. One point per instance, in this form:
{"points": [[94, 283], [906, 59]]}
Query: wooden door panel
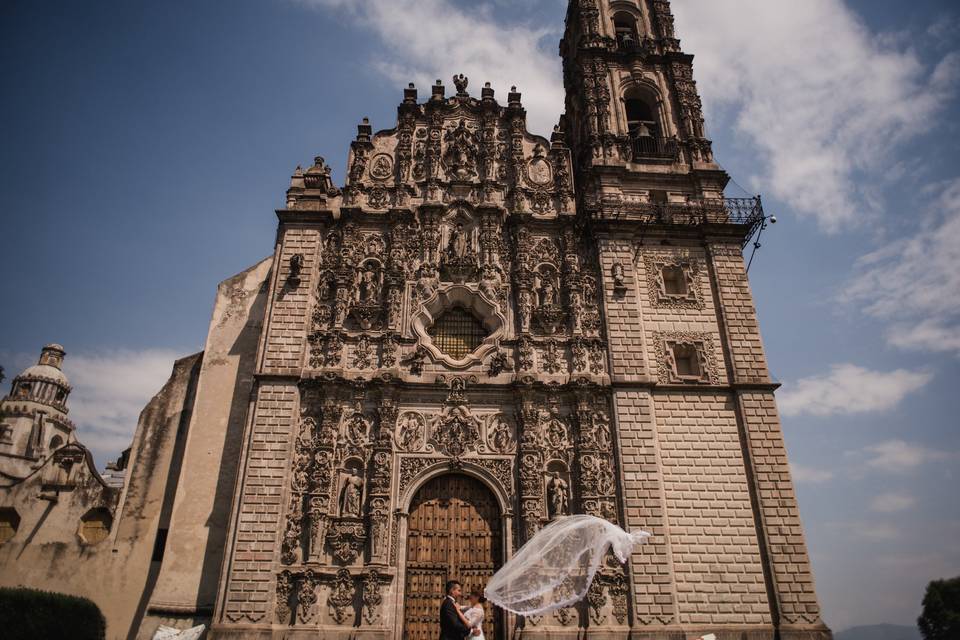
{"points": [[454, 532]]}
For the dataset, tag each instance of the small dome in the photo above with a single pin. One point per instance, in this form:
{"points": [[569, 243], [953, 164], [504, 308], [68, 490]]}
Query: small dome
{"points": [[49, 367], [45, 372]]}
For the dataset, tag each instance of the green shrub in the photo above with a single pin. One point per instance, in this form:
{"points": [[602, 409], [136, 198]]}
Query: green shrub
{"points": [[29, 614]]}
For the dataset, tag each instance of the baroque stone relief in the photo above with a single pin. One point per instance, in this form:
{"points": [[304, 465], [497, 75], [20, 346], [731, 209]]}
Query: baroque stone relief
{"points": [[701, 344], [674, 282]]}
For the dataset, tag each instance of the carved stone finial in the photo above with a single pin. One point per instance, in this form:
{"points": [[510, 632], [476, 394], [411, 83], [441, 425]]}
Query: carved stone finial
{"points": [[461, 83]]}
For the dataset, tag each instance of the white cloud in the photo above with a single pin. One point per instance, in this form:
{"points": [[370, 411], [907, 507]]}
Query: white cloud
{"points": [[849, 389], [892, 502], [914, 283], [816, 92], [898, 456], [109, 391], [808, 475], [432, 39]]}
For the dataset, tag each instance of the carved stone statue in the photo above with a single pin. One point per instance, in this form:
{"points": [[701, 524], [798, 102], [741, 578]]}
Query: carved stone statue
{"points": [[619, 278], [411, 433], [352, 493], [559, 494], [458, 245], [548, 293], [501, 439], [368, 288]]}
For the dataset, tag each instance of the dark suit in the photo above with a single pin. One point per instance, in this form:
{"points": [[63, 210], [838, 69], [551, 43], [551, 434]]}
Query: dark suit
{"points": [[451, 627]]}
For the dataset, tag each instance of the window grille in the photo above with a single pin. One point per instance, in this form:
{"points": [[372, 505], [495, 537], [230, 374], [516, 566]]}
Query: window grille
{"points": [[457, 333]]}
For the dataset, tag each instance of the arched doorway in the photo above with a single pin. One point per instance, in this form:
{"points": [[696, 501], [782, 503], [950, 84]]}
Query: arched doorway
{"points": [[453, 533]]}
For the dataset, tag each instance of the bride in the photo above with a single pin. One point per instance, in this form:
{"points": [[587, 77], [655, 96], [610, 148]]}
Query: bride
{"points": [[472, 615]]}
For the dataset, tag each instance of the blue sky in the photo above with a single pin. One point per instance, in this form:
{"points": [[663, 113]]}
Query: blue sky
{"points": [[146, 145]]}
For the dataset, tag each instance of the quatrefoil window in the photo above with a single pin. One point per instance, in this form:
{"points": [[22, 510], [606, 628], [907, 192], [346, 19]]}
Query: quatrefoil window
{"points": [[457, 333], [458, 326]]}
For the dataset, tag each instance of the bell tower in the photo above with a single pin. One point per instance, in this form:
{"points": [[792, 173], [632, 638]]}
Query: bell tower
{"points": [[633, 113], [700, 450]]}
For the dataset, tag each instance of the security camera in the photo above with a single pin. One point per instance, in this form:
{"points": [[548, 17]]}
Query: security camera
{"points": [[773, 219]]}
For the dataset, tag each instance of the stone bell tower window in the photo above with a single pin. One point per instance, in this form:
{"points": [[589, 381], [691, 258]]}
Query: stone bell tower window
{"points": [[625, 27], [457, 333]]}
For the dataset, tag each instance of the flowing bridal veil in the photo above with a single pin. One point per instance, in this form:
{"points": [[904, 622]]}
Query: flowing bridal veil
{"points": [[555, 567]]}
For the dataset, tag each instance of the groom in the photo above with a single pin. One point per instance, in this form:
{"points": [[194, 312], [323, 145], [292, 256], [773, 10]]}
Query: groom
{"points": [[451, 627]]}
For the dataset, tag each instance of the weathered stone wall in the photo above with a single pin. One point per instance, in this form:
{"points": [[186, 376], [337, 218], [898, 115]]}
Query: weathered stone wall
{"points": [[187, 585], [117, 573], [251, 583]]}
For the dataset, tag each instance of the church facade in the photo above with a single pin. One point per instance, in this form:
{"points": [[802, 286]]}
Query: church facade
{"points": [[481, 330]]}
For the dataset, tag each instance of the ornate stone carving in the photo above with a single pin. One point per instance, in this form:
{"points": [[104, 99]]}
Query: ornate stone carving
{"points": [[388, 350], [372, 598], [699, 347], [411, 432], [456, 432], [618, 595], [525, 354], [367, 306], [362, 354], [342, 593], [618, 276], [381, 167], [500, 469], [551, 357], [596, 601], [416, 360], [351, 495], [284, 594], [539, 171], [499, 362], [460, 152], [357, 430], [410, 468], [306, 596], [685, 291], [346, 538], [500, 435], [558, 492]]}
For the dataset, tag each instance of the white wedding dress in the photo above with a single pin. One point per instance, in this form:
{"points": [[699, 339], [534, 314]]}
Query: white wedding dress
{"points": [[555, 567], [474, 616]]}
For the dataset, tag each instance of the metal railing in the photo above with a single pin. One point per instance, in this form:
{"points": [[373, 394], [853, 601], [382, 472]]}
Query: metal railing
{"points": [[654, 147], [747, 212]]}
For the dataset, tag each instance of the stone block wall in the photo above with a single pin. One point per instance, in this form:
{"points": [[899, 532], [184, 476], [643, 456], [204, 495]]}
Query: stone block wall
{"points": [[289, 317], [744, 343], [624, 323], [793, 577], [716, 555], [251, 583], [645, 508]]}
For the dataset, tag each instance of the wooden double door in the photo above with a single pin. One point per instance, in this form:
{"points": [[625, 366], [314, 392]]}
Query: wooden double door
{"points": [[454, 532]]}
